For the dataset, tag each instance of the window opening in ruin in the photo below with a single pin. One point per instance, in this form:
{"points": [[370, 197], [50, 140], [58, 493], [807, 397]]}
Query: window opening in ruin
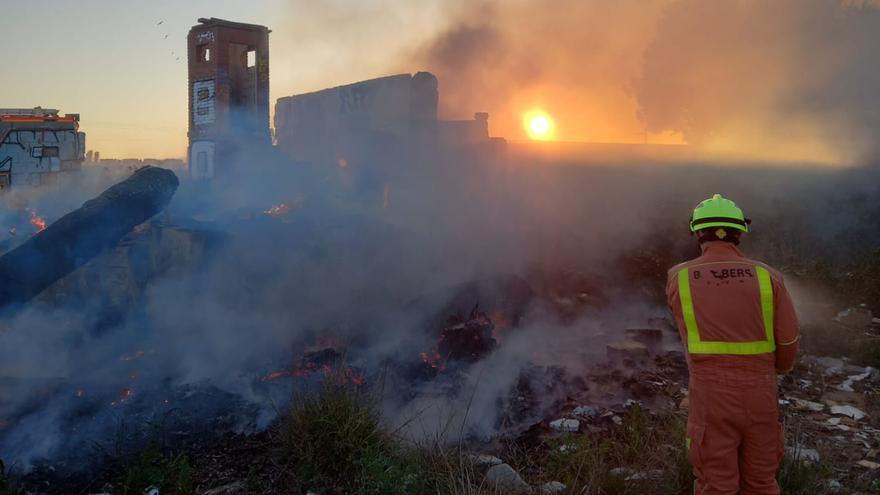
{"points": [[203, 53], [251, 58]]}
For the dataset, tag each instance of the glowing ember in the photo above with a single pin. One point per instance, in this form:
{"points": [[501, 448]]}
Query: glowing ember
{"points": [[277, 210], [275, 375], [433, 359], [166, 402], [37, 221], [124, 394], [132, 357]]}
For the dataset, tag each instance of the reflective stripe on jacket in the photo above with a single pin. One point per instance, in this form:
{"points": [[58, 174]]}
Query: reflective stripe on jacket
{"points": [[731, 310]]}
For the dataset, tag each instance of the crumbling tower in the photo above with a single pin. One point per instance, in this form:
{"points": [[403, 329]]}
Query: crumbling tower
{"points": [[228, 94]]}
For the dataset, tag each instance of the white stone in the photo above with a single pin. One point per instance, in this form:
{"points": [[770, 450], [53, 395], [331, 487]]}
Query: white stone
{"points": [[151, 490], [568, 447], [552, 488], [504, 479], [565, 424], [868, 464], [850, 411], [805, 455], [617, 420]]}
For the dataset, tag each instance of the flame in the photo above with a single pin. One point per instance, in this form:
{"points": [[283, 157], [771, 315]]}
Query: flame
{"points": [[37, 221]]}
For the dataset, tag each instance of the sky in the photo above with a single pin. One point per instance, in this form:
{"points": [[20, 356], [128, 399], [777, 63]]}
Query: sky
{"points": [[110, 60], [787, 80]]}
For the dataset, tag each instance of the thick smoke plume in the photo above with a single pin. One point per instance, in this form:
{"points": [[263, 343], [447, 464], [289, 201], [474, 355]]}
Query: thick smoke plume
{"points": [[790, 80]]}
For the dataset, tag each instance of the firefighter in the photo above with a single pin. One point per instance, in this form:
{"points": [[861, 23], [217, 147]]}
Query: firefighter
{"points": [[739, 329]]}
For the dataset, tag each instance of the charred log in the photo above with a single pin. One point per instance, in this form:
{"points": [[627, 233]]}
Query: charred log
{"points": [[82, 234]]}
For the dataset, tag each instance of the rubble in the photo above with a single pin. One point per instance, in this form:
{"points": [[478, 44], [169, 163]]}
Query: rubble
{"points": [[626, 351], [584, 411], [848, 411], [466, 339]]}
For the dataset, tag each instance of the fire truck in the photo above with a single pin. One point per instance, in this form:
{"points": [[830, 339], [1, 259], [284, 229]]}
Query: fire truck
{"points": [[37, 146]]}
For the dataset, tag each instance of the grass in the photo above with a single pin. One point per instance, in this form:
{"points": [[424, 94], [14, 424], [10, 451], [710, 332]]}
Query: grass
{"points": [[644, 453], [334, 444], [153, 466], [169, 472]]}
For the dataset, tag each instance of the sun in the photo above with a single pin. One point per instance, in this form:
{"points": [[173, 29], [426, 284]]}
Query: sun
{"points": [[538, 125]]}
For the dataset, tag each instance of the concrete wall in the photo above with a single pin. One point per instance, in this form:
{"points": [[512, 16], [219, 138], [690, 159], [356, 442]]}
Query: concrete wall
{"points": [[339, 123]]}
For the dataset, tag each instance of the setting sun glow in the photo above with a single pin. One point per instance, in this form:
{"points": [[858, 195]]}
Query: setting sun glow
{"points": [[538, 125]]}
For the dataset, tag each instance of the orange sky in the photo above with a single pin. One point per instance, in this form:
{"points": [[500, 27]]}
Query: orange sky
{"points": [[782, 79]]}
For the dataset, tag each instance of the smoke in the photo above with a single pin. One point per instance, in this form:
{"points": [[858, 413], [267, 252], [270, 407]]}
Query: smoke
{"points": [[183, 321], [789, 80]]}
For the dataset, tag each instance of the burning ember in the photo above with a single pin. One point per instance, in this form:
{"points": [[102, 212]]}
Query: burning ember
{"points": [[276, 375], [37, 221], [433, 359], [321, 361], [124, 394], [277, 210], [132, 356]]}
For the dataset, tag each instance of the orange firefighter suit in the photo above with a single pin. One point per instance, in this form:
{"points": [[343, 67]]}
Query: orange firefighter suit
{"points": [[739, 329]]}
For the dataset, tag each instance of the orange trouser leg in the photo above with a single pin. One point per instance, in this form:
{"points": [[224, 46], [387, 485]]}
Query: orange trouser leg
{"points": [[714, 434], [762, 445]]}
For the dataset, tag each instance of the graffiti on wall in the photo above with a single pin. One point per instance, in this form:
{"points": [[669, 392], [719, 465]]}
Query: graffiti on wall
{"points": [[203, 102]]}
